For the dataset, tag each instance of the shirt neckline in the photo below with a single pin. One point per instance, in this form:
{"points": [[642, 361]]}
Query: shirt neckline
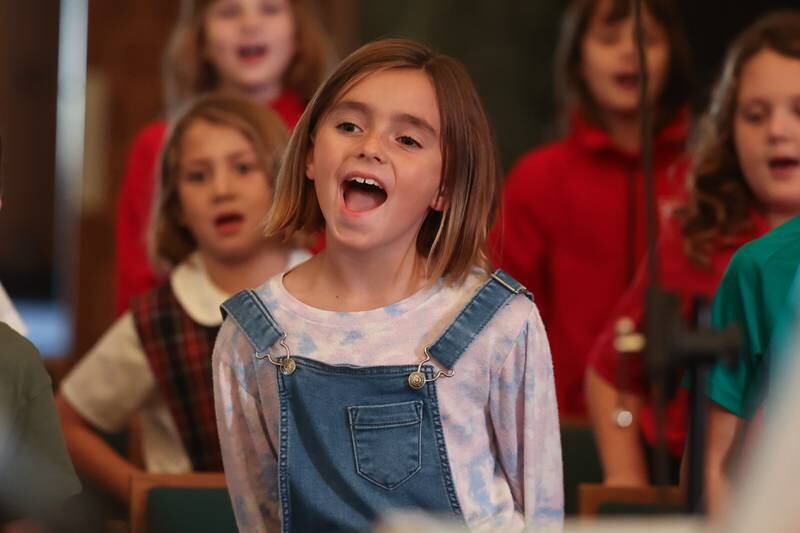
{"points": [[335, 318]]}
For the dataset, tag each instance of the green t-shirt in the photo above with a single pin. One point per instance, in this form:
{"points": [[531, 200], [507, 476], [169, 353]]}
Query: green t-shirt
{"points": [[36, 474], [752, 295]]}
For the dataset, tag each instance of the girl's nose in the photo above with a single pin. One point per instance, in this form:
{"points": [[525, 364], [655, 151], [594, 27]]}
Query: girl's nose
{"points": [[250, 18], [221, 185], [371, 149], [628, 46], [781, 122]]}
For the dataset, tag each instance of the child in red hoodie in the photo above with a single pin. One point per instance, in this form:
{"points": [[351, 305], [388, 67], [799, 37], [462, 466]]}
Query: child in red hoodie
{"points": [[745, 181], [572, 228], [277, 56]]}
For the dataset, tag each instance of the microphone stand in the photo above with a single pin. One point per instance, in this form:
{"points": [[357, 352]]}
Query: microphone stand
{"points": [[670, 344]]}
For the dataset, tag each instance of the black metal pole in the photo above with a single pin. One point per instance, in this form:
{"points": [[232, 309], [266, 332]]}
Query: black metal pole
{"points": [[697, 438], [657, 352]]}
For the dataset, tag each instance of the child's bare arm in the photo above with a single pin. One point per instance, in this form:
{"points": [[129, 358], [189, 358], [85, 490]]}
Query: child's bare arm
{"points": [[724, 429], [620, 447], [104, 390], [92, 456]]}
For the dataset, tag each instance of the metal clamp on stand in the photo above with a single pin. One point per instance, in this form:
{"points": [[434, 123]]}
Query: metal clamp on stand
{"points": [[626, 342]]}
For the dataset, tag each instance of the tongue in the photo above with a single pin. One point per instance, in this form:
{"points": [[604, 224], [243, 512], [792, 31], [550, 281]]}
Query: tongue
{"points": [[357, 199]]}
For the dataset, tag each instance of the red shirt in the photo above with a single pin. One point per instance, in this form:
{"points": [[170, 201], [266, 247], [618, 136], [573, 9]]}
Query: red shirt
{"points": [[572, 230], [689, 280], [133, 273]]}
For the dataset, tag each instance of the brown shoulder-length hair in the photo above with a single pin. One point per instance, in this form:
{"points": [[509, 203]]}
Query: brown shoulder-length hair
{"points": [[572, 91], [169, 240], [187, 73], [453, 241], [721, 201]]}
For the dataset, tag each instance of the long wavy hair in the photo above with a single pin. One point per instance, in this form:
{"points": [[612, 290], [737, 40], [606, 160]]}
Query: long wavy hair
{"points": [[722, 202]]}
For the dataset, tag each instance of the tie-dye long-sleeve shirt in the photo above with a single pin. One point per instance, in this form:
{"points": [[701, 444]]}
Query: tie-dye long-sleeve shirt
{"points": [[498, 411]]}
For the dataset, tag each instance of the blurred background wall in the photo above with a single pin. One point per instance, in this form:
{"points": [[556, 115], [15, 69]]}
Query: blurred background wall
{"points": [[507, 45]]}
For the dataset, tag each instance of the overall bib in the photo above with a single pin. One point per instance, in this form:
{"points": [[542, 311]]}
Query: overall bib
{"points": [[356, 442]]}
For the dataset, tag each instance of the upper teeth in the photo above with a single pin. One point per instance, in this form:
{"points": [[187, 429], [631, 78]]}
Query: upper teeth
{"points": [[366, 181]]}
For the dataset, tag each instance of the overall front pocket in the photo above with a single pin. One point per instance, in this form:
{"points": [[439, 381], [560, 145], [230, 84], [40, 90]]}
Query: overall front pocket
{"points": [[387, 441]]}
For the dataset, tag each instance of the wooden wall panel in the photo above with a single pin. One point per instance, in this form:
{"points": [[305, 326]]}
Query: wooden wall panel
{"points": [[29, 55], [125, 44]]}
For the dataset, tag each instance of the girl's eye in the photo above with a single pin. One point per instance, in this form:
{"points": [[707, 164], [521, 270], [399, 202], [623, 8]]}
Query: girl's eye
{"points": [[405, 140], [607, 36], [271, 8], [226, 10], [245, 168], [348, 127], [652, 38], [194, 176], [754, 114]]}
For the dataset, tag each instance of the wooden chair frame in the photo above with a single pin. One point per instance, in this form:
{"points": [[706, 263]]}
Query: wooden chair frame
{"points": [[591, 496], [142, 483]]}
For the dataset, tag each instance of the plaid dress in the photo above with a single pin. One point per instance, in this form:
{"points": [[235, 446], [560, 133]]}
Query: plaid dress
{"points": [[179, 352]]}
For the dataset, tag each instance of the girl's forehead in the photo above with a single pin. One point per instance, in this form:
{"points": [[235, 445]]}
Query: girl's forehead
{"points": [[358, 80], [611, 12], [770, 72], [405, 95], [204, 134]]}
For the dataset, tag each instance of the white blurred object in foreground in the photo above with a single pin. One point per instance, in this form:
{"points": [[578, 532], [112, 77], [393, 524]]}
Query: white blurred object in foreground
{"points": [[420, 523], [767, 497], [9, 315]]}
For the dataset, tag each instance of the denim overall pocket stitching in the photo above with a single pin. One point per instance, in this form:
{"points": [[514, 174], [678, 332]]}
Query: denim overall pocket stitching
{"points": [[381, 434]]}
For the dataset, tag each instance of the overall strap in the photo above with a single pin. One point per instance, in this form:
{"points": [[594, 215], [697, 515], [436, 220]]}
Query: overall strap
{"points": [[490, 298], [254, 319]]}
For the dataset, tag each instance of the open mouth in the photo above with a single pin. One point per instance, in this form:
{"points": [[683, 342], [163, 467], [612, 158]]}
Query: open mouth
{"points": [[228, 221], [783, 163], [628, 80], [363, 194], [252, 52]]}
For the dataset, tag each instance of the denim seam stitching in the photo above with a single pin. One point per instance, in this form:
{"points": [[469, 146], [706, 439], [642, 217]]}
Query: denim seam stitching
{"points": [[283, 481], [366, 476], [485, 319]]}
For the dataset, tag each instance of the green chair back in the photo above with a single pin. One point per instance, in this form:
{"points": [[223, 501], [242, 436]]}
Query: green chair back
{"points": [[189, 510], [581, 461], [641, 509]]}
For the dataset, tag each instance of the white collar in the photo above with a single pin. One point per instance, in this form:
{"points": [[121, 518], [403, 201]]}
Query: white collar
{"points": [[195, 291], [198, 295]]}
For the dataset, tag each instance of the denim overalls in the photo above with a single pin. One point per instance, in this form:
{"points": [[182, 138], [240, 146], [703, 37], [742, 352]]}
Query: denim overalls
{"points": [[357, 441]]}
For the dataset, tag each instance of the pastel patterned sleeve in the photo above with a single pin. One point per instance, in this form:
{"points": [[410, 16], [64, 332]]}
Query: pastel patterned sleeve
{"points": [[524, 415], [249, 459]]}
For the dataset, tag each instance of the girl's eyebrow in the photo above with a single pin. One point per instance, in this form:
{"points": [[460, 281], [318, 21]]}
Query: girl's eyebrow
{"points": [[351, 105], [241, 154], [195, 161], [408, 118], [415, 121]]}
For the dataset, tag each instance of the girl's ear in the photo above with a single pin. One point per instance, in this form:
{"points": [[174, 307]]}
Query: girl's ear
{"points": [[310, 160], [439, 201]]}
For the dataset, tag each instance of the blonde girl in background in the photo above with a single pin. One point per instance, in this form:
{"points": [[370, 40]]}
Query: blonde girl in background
{"points": [[216, 184]]}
